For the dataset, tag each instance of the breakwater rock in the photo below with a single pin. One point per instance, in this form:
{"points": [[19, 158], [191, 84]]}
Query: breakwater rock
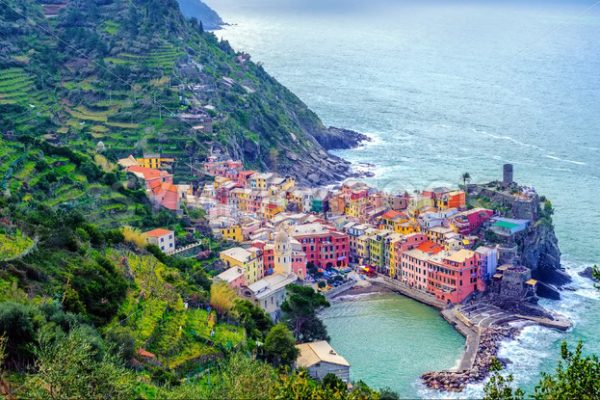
{"points": [[456, 381]]}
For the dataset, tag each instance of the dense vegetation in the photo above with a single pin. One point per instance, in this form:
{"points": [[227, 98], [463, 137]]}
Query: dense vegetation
{"points": [[87, 310], [121, 72]]}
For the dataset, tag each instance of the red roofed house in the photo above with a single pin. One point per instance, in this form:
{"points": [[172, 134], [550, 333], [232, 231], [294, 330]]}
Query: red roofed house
{"points": [[163, 238], [469, 221], [159, 185]]}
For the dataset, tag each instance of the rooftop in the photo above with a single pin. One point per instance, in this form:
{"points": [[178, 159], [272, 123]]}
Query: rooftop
{"points": [[231, 274], [238, 253], [316, 352], [158, 232]]}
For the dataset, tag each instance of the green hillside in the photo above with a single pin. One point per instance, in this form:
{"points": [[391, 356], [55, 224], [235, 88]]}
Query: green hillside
{"points": [[126, 72]]}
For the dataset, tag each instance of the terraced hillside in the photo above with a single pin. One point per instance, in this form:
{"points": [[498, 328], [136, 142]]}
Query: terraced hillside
{"points": [[33, 172], [138, 76]]}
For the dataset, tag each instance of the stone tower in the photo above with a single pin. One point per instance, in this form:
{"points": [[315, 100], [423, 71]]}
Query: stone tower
{"points": [[283, 253], [507, 178]]}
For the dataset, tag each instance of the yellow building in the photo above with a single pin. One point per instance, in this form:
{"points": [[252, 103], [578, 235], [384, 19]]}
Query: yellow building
{"points": [[363, 248], [154, 161], [260, 181], [233, 233], [250, 260], [394, 256], [272, 210]]}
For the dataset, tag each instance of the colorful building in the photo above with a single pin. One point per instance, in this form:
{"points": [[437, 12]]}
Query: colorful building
{"points": [[250, 260], [322, 245], [233, 232], [163, 238], [452, 277]]}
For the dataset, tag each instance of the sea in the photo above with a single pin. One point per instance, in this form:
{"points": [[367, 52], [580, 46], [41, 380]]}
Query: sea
{"points": [[442, 88]]}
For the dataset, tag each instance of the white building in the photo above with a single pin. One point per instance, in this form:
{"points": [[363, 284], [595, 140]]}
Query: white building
{"points": [[269, 293], [320, 359], [163, 238]]}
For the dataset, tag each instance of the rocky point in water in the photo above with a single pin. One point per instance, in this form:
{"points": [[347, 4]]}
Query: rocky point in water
{"points": [[537, 247]]}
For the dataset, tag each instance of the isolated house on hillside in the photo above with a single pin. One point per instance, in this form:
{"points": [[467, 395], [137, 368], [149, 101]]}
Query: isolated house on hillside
{"points": [[320, 359]]}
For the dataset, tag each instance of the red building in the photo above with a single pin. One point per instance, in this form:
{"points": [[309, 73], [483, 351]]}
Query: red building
{"points": [[322, 245], [268, 254], [469, 221]]}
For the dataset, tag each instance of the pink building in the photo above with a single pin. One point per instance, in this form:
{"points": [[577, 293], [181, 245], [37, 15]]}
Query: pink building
{"points": [[449, 276], [234, 277], [229, 168], [452, 277], [323, 245], [415, 262], [298, 259]]}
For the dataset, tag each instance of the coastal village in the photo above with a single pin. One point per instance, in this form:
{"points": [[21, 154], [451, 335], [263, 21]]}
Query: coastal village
{"points": [[432, 245]]}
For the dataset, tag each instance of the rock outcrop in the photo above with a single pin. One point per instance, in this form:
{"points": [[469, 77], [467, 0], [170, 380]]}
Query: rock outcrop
{"points": [[588, 273], [456, 381], [541, 254], [336, 138]]}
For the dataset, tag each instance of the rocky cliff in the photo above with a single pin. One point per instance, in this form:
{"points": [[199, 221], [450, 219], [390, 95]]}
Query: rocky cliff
{"points": [[538, 247], [540, 253]]}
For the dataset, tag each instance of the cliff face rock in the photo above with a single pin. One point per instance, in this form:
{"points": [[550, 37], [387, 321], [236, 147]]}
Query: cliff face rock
{"points": [[197, 9], [541, 254], [335, 138], [538, 248]]}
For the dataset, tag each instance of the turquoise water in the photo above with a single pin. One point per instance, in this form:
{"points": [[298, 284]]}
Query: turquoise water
{"points": [[446, 87], [389, 338]]}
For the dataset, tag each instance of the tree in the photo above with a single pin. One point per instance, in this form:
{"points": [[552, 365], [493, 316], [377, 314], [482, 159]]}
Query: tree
{"points": [[576, 377], [71, 367], [19, 324], [222, 297], [500, 387], [332, 382], [300, 308], [280, 346], [466, 177], [253, 318], [388, 394]]}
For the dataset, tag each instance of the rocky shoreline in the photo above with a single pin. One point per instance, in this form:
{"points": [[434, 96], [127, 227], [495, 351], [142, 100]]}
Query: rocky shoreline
{"points": [[489, 344]]}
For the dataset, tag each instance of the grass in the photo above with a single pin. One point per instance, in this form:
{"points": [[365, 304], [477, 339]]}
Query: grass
{"points": [[11, 246], [159, 321]]}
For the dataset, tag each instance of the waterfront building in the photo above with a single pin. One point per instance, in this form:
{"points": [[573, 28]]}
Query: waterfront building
{"points": [[488, 259], [453, 276], [400, 245], [320, 359], [469, 221], [456, 199], [508, 226]]}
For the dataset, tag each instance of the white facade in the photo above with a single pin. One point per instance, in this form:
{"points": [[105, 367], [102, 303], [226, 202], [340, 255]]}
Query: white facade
{"points": [[164, 239]]}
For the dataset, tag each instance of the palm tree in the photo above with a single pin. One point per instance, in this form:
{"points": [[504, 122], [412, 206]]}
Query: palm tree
{"points": [[466, 177]]}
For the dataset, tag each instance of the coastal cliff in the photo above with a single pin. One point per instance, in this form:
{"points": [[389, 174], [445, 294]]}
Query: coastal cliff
{"points": [[537, 247], [140, 78]]}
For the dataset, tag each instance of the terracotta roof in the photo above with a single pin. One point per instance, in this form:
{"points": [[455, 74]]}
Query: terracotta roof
{"points": [[393, 214], [148, 173], [430, 247], [158, 232]]}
